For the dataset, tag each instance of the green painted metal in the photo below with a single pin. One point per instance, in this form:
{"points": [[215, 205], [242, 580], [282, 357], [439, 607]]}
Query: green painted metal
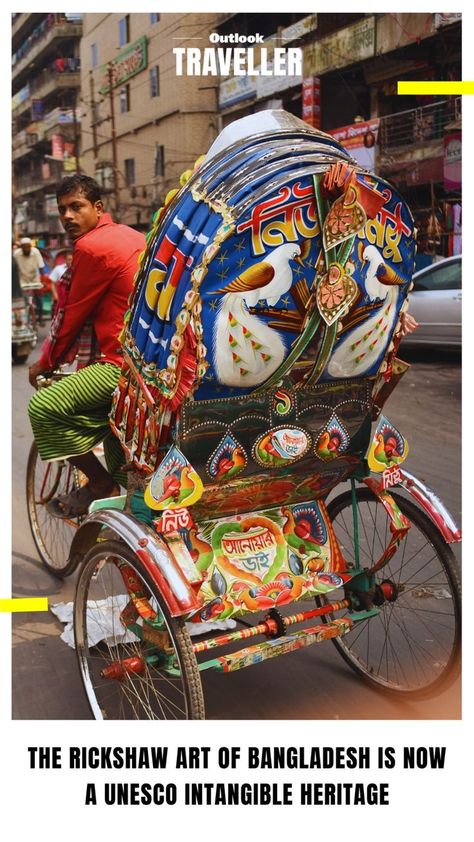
{"points": [[363, 615], [356, 525]]}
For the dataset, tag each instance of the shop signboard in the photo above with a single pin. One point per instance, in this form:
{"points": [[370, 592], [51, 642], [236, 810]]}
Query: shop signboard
{"points": [[127, 64], [51, 205], [446, 18], [452, 160], [399, 29], [346, 46], [235, 89], [360, 140], [299, 29], [269, 85], [311, 101], [57, 146]]}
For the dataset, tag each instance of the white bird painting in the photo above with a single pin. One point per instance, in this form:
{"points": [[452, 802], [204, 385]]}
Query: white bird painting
{"points": [[360, 350], [246, 350]]}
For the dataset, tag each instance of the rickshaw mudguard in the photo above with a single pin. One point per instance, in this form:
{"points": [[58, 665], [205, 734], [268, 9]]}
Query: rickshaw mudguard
{"points": [[426, 499], [155, 556]]}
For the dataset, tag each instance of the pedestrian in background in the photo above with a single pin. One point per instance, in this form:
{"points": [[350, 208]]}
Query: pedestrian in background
{"points": [[56, 274], [31, 269]]}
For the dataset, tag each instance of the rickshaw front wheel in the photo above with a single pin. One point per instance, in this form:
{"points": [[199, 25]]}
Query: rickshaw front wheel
{"points": [[52, 535]]}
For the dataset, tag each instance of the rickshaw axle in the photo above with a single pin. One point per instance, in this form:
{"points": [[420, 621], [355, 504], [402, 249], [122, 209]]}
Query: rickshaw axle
{"points": [[269, 627]]}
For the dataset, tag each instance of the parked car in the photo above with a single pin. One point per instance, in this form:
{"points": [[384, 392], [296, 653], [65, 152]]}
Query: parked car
{"points": [[435, 303]]}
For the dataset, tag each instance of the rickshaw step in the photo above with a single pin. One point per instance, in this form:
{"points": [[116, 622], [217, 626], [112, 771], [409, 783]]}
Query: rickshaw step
{"points": [[363, 615], [250, 655]]}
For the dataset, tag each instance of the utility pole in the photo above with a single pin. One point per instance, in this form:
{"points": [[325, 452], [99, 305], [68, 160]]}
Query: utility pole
{"points": [[94, 116], [114, 140], [76, 134]]}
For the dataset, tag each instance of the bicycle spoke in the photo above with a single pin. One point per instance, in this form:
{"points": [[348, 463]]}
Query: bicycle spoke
{"points": [[411, 644]]}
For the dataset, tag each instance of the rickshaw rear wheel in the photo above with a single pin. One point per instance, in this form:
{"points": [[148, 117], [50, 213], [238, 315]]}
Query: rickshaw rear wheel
{"points": [[52, 535], [412, 647], [132, 667]]}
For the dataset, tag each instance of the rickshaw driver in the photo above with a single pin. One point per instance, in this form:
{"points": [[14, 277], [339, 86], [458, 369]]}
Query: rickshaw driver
{"points": [[70, 417]]}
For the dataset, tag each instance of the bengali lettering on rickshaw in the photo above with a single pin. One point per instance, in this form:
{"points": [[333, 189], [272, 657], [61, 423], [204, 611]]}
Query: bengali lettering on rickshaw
{"points": [[254, 551], [286, 217], [174, 519], [386, 230]]}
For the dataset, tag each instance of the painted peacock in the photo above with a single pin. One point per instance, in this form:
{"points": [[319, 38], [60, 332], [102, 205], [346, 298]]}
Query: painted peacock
{"points": [[361, 349], [247, 350]]}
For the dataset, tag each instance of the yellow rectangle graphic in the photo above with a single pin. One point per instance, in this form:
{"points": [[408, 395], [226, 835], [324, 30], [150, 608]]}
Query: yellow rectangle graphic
{"points": [[37, 603], [435, 88]]}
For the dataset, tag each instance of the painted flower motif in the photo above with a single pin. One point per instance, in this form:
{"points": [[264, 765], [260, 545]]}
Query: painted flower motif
{"points": [[339, 219], [331, 295]]}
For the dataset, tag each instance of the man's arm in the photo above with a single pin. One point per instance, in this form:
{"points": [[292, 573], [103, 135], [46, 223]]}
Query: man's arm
{"points": [[35, 370], [90, 281]]}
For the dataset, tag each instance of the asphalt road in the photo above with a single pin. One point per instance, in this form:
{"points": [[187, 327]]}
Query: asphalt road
{"points": [[312, 683]]}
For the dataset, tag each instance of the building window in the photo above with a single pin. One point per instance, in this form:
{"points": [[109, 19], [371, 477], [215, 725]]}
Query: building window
{"points": [[124, 30], [124, 99], [159, 160], [104, 174], [130, 172], [95, 55], [154, 17], [154, 81]]}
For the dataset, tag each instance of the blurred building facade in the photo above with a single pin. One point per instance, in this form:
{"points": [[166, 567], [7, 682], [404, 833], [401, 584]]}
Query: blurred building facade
{"points": [[143, 125], [351, 65], [46, 118], [139, 125]]}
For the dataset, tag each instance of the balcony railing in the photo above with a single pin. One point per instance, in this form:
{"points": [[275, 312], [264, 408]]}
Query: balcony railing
{"points": [[53, 26], [45, 84], [418, 125]]}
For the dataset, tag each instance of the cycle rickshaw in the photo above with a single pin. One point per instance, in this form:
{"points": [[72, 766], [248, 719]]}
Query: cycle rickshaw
{"points": [[259, 351]]}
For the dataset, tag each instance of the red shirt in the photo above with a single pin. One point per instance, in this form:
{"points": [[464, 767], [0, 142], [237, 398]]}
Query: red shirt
{"points": [[104, 264]]}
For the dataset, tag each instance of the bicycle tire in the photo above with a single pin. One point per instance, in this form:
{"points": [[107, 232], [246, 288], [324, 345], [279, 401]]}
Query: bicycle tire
{"points": [[52, 535], [168, 683], [411, 660]]}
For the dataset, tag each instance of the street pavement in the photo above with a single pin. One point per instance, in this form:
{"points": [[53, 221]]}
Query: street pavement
{"points": [[312, 683]]}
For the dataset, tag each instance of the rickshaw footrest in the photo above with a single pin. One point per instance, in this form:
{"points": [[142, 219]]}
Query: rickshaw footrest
{"points": [[363, 615], [250, 655]]}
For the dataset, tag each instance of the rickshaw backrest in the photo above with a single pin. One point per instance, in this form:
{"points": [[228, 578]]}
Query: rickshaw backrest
{"points": [[263, 313]]}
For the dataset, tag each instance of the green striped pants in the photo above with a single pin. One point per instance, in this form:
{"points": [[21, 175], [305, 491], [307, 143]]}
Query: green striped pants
{"points": [[71, 417]]}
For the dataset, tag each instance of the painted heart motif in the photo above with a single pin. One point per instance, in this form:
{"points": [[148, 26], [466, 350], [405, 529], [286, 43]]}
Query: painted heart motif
{"points": [[253, 549]]}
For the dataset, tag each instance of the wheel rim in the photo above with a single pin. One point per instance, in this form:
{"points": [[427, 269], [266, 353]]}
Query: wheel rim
{"points": [[158, 690], [52, 535], [412, 645]]}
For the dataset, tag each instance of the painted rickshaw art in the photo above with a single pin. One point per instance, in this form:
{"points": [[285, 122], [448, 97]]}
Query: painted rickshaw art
{"points": [[259, 350]]}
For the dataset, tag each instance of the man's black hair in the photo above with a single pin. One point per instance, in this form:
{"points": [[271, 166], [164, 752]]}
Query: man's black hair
{"points": [[87, 185]]}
